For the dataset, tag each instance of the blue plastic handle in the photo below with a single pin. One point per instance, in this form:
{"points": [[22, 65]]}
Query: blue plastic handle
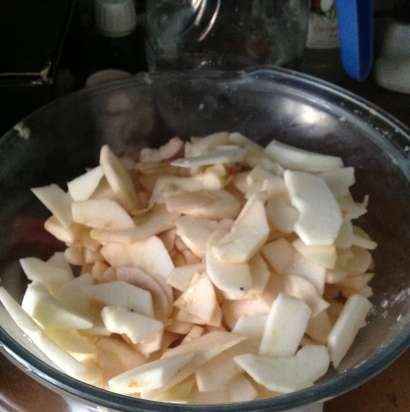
{"points": [[356, 33]]}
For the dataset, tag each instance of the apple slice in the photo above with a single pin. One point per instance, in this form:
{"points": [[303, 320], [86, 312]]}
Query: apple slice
{"points": [[180, 393], [151, 344], [119, 179], [120, 293], [339, 180], [201, 145], [285, 326], [233, 310], [56, 201], [335, 275], [181, 277], [58, 260], [150, 376], [248, 233], [82, 187], [289, 374], [319, 327], [241, 390], [71, 341], [49, 312], [49, 275], [351, 209], [199, 299], [251, 326], [281, 215], [116, 254], [324, 256], [362, 239], [320, 218], [262, 180], [358, 282], [195, 233], [260, 275], [61, 359], [137, 327], [195, 332], [294, 158], [279, 254], [170, 149], [208, 204], [61, 232], [351, 320], [359, 261], [179, 327], [155, 221], [345, 237], [101, 214], [233, 279]]}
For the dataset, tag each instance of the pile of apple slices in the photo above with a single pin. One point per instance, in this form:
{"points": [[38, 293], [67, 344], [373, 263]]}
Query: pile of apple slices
{"points": [[209, 271]]}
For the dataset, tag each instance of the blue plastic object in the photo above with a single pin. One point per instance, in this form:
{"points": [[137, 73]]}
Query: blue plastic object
{"points": [[356, 32]]}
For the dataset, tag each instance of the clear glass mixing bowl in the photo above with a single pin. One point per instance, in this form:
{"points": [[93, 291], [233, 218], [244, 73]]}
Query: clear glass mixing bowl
{"points": [[60, 140]]}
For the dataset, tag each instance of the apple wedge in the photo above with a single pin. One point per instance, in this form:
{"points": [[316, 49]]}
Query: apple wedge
{"points": [[260, 275], [195, 232], [358, 282], [58, 260], [241, 390], [281, 215], [82, 187], [324, 256], [56, 201], [116, 254], [344, 238], [101, 214], [119, 293], [251, 326], [359, 261], [201, 145], [350, 209], [119, 179], [291, 157], [339, 180], [66, 234], [46, 273], [248, 233], [279, 254], [319, 327], [208, 204], [288, 374], [320, 218], [118, 319], [350, 321], [49, 312], [285, 326], [71, 341], [150, 376], [233, 279], [60, 358], [181, 277], [153, 222], [151, 344], [262, 180]]}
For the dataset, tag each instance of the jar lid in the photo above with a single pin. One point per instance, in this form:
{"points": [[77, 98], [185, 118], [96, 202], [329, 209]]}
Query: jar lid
{"points": [[115, 18]]}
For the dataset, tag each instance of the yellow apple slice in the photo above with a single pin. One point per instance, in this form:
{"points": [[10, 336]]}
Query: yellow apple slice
{"points": [[82, 187], [339, 180], [181, 277], [56, 201], [248, 233], [347, 326], [285, 326], [320, 218], [324, 256], [279, 254], [287, 374], [101, 214], [119, 179], [281, 215], [241, 390]]}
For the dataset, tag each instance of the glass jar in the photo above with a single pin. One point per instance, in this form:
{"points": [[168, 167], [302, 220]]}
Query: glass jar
{"points": [[225, 34]]}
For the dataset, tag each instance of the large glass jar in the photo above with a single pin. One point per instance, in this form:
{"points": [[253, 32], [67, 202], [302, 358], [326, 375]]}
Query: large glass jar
{"points": [[225, 34]]}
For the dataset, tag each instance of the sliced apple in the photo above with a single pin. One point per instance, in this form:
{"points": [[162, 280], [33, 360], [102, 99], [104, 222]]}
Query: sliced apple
{"points": [[208, 204], [262, 180], [151, 344], [233, 279], [324, 256], [281, 215], [351, 209], [210, 398], [347, 326], [58, 260], [335, 275], [118, 319], [241, 390], [195, 232], [119, 179], [251, 326], [195, 332], [285, 326], [202, 145], [320, 218], [120, 293], [339, 180], [71, 341], [279, 254], [61, 232], [180, 393], [288, 374], [180, 327], [153, 222], [56, 201], [48, 274], [116, 254], [362, 239], [181, 277], [358, 282], [199, 299], [345, 237], [150, 376], [248, 233], [359, 261], [82, 187], [168, 238], [49, 312], [101, 214], [319, 327], [260, 275], [294, 158]]}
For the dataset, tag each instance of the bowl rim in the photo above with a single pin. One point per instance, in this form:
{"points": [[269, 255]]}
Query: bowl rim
{"points": [[335, 386]]}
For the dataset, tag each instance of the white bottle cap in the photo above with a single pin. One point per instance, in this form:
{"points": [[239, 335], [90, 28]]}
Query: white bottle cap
{"points": [[115, 18]]}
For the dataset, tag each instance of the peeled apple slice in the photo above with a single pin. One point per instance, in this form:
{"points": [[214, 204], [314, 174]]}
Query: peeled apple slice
{"points": [[289, 374], [82, 187], [56, 201], [71, 341], [279, 254], [350, 321], [281, 214], [248, 233], [119, 179], [201, 145], [181, 277], [61, 232], [260, 275], [118, 319], [241, 390], [101, 214], [251, 326], [321, 255], [50, 313], [61, 359], [339, 180], [297, 159], [150, 376], [320, 218], [285, 326], [58, 260], [319, 327]]}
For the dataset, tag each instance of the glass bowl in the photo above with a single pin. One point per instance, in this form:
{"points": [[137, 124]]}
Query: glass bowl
{"points": [[58, 141]]}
